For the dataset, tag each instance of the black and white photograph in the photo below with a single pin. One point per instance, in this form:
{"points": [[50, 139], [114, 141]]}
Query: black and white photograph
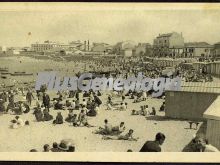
{"points": [[79, 77]]}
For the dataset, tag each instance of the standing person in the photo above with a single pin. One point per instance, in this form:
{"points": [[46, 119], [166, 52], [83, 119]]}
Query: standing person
{"points": [[46, 100], [29, 97], [154, 146]]}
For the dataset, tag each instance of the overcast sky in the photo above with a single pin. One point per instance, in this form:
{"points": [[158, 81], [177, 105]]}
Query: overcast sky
{"points": [[108, 26]]}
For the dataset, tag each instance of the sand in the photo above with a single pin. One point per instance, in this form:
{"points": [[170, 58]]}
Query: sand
{"points": [[39, 133]]}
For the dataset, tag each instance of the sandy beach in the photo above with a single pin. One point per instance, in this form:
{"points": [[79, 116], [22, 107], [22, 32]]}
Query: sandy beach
{"points": [[39, 133]]}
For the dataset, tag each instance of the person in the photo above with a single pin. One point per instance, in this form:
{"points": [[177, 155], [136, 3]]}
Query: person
{"points": [[39, 115], [20, 122], [84, 103], [70, 116], [77, 105], [109, 107], [55, 147], [29, 97], [204, 146], [144, 95], [119, 129], [123, 106], [46, 100], [33, 150], [47, 116], [74, 120], [59, 119], [71, 149], [2, 106], [127, 136], [123, 97], [107, 130], [89, 104], [83, 120], [97, 100], [92, 112], [154, 146], [66, 145], [58, 105], [68, 103], [153, 113], [162, 108], [46, 148], [135, 112]]}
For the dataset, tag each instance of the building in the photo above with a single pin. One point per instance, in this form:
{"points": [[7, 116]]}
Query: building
{"points": [[124, 48], [41, 47], [192, 101], [197, 49], [83, 46], [212, 115], [100, 47], [216, 50], [13, 51], [143, 49], [170, 44]]}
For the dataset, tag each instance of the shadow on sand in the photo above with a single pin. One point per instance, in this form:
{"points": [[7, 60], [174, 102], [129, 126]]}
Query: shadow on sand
{"points": [[164, 118]]}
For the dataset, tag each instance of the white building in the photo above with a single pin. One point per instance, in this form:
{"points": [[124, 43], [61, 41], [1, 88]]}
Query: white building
{"points": [[41, 47]]}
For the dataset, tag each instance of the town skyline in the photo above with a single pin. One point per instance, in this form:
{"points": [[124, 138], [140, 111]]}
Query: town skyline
{"points": [[24, 28]]}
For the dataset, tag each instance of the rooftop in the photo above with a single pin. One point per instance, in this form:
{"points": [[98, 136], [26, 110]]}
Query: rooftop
{"points": [[213, 112], [207, 87], [197, 44]]}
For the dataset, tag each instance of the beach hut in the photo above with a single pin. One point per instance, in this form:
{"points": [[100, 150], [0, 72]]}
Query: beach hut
{"points": [[212, 114], [191, 101], [217, 68]]}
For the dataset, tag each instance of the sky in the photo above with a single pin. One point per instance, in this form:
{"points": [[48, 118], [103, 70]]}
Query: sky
{"points": [[23, 27]]}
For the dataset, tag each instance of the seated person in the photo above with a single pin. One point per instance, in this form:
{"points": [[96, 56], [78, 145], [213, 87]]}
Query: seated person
{"points": [[109, 107], [58, 105], [135, 112], [59, 119], [68, 104], [119, 129], [18, 109], [85, 94], [82, 119], [54, 147], [106, 130], [143, 110], [39, 115], [123, 106], [25, 108], [89, 104], [70, 116], [47, 116], [92, 112], [99, 93], [74, 120]]}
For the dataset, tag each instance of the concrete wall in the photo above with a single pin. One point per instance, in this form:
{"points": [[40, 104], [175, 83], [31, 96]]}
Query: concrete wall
{"points": [[213, 133], [188, 105]]}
